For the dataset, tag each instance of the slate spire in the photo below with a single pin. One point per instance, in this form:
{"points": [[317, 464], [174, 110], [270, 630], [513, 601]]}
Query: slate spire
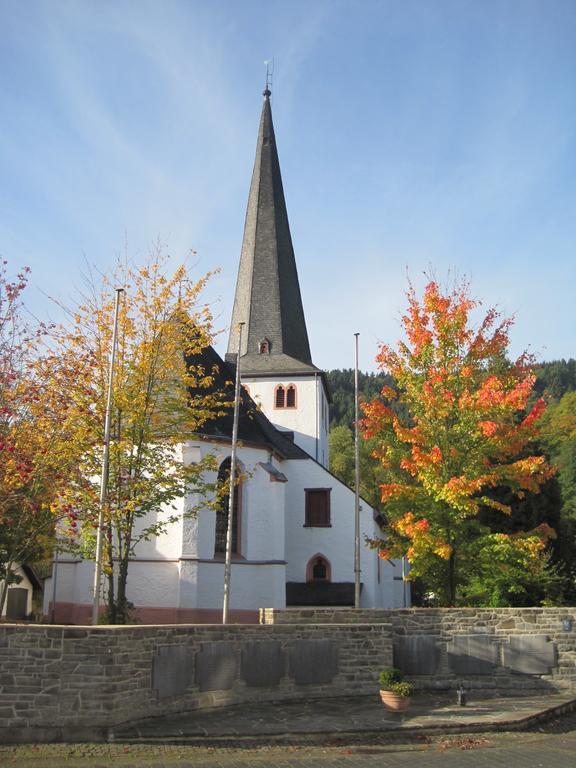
{"points": [[267, 298]]}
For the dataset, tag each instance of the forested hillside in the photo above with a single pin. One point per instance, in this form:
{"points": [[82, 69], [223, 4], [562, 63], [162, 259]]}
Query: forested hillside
{"points": [[553, 380]]}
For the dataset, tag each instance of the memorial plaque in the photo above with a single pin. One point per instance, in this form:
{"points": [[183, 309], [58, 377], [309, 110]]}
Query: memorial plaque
{"points": [[416, 655], [262, 664], [216, 666], [313, 662], [172, 670], [472, 654], [530, 654]]}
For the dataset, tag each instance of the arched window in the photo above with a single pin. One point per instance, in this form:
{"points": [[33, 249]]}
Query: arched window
{"points": [[280, 397], [318, 569], [222, 511], [291, 396], [264, 347], [285, 397]]}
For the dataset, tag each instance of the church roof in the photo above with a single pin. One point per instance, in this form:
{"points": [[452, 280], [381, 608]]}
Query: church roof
{"points": [[253, 426], [268, 299]]}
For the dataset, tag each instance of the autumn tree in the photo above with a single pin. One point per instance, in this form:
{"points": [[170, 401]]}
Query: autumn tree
{"points": [[159, 401], [465, 435], [37, 456]]}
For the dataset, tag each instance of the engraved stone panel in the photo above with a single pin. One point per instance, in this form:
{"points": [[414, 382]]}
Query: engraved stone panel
{"points": [[216, 666], [172, 670], [530, 654], [472, 654], [313, 661], [416, 655], [262, 664]]}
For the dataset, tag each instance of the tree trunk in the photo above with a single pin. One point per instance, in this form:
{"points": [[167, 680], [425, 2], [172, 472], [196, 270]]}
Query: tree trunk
{"points": [[121, 602], [452, 580]]}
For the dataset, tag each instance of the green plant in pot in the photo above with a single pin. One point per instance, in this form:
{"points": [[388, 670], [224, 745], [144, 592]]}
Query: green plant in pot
{"points": [[395, 692]]}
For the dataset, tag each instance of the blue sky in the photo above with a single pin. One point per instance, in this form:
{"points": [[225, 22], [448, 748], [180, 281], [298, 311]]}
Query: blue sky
{"points": [[413, 134]]}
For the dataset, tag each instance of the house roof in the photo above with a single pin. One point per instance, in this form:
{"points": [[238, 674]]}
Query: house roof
{"points": [[267, 298]]}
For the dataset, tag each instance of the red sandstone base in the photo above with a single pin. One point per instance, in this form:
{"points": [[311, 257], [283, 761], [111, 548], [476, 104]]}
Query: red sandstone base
{"points": [[75, 613]]}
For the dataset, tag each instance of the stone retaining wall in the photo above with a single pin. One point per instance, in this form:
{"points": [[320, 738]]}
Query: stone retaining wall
{"points": [[491, 648], [59, 683]]}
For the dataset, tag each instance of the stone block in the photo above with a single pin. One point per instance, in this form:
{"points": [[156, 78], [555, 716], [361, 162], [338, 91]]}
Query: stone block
{"points": [[172, 670], [216, 666], [530, 654], [263, 664], [472, 654], [313, 662], [416, 655]]}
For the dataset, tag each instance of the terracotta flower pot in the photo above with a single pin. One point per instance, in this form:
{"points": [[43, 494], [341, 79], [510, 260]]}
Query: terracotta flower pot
{"points": [[393, 702]]}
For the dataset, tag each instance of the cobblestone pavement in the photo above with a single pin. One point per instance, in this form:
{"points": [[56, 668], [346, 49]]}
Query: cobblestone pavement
{"points": [[552, 745], [358, 717]]}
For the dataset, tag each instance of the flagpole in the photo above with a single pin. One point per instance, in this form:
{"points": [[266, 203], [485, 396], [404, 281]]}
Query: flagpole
{"points": [[232, 488], [104, 475], [357, 571]]}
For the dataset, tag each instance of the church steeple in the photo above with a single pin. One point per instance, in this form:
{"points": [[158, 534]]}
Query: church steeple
{"points": [[267, 296]]}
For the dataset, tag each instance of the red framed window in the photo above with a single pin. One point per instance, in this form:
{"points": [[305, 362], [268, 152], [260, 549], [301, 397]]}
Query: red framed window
{"points": [[285, 397], [280, 397], [291, 396], [318, 569]]}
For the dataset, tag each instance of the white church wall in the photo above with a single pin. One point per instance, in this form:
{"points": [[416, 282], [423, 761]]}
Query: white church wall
{"points": [[261, 511], [261, 535], [74, 579], [335, 543], [308, 420], [251, 585]]}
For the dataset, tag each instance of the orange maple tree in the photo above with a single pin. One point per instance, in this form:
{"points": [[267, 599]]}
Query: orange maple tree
{"points": [[459, 430]]}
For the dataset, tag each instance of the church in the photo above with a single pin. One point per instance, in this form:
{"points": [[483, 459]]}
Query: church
{"points": [[293, 527]]}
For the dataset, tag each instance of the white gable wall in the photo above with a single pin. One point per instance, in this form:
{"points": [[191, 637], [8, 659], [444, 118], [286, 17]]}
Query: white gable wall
{"points": [[309, 420], [336, 543]]}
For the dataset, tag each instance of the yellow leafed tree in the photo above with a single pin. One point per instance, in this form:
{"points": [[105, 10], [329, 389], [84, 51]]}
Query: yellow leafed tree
{"points": [[160, 399]]}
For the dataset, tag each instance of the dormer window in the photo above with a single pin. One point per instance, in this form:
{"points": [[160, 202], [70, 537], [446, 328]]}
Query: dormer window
{"points": [[264, 347]]}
